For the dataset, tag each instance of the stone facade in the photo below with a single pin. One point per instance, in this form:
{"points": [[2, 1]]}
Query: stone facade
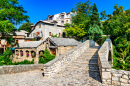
{"points": [[63, 49], [18, 57], [111, 76], [19, 68], [60, 62]]}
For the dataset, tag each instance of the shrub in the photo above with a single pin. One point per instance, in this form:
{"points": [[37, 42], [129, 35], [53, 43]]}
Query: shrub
{"points": [[24, 62], [5, 58], [46, 57]]}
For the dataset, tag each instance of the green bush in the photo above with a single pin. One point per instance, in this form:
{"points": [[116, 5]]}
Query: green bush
{"points": [[5, 58], [24, 62], [46, 57], [121, 57]]}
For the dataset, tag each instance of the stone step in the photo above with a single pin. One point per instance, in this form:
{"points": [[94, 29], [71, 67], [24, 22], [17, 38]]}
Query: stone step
{"points": [[84, 66], [95, 58], [89, 54], [83, 69], [89, 57], [86, 61]]}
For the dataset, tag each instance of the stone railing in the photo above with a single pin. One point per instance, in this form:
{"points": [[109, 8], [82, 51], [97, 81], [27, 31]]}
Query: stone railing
{"points": [[60, 62], [111, 76], [19, 68]]}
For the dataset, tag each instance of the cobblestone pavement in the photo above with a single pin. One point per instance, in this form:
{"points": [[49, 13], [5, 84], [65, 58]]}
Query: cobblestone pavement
{"points": [[81, 72]]}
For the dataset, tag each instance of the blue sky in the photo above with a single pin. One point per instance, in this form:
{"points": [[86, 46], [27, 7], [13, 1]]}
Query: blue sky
{"points": [[40, 9]]}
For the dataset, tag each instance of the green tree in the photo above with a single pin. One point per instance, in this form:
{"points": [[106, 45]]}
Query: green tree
{"points": [[26, 27], [95, 16], [11, 13], [82, 12], [95, 32], [117, 26], [80, 21], [76, 31]]}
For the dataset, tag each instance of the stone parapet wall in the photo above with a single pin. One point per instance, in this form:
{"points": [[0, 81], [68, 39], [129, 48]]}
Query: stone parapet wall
{"points": [[19, 68], [111, 76], [60, 62]]}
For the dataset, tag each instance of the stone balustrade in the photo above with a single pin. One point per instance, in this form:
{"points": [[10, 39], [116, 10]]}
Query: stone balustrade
{"points": [[60, 62], [19, 68], [111, 76]]}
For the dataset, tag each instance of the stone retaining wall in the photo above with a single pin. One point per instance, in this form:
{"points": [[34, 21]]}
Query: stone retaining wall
{"points": [[60, 62], [111, 76], [19, 68]]}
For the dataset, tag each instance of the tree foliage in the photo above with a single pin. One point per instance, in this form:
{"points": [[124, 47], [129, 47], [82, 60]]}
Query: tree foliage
{"points": [[95, 32], [82, 12], [26, 27], [46, 57], [11, 13], [80, 20], [95, 16], [118, 27]]}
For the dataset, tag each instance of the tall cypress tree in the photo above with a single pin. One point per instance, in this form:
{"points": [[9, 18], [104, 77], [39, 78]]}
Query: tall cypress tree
{"points": [[95, 16], [94, 31]]}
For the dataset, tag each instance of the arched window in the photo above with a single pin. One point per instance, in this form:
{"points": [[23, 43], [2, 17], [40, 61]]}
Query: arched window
{"points": [[27, 53], [41, 52], [17, 52], [21, 53], [33, 54]]}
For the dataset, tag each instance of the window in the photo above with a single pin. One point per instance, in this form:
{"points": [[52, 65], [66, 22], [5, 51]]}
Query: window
{"points": [[64, 35], [33, 54], [33, 34], [0, 41], [40, 26], [17, 41], [38, 33], [59, 35], [27, 53], [49, 33], [62, 22], [21, 53], [66, 20], [41, 34], [17, 52]]}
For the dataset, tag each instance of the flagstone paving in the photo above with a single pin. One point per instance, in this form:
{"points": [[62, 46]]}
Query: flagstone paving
{"points": [[81, 72]]}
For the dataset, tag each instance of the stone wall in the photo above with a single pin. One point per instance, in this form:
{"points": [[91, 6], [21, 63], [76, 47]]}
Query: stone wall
{"points": [[63, 49], [111, 76], [60, 62], [19, 68]]}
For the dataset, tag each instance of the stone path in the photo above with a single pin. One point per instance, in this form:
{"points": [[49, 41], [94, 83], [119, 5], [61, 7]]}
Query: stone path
{"points": [[81, 72]]}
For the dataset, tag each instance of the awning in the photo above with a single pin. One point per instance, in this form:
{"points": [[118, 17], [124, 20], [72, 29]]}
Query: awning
{"points": [[12, 48]]}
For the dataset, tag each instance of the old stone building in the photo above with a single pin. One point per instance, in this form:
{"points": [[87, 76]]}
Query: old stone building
{"points": [[43, 29], [29, 50]]}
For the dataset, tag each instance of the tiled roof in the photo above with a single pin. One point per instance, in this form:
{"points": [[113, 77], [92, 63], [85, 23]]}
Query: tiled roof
{"points": [[30, 44], [64, 41], [21, 32]]}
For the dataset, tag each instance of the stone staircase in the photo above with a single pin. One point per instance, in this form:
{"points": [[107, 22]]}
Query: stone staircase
{"points": [[83, 71], [88, 61]]}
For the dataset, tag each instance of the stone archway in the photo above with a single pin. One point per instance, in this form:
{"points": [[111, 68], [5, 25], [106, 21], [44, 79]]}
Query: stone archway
{"points": [[21, 53], [27, 53], [41, 52], [33, 54]]}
